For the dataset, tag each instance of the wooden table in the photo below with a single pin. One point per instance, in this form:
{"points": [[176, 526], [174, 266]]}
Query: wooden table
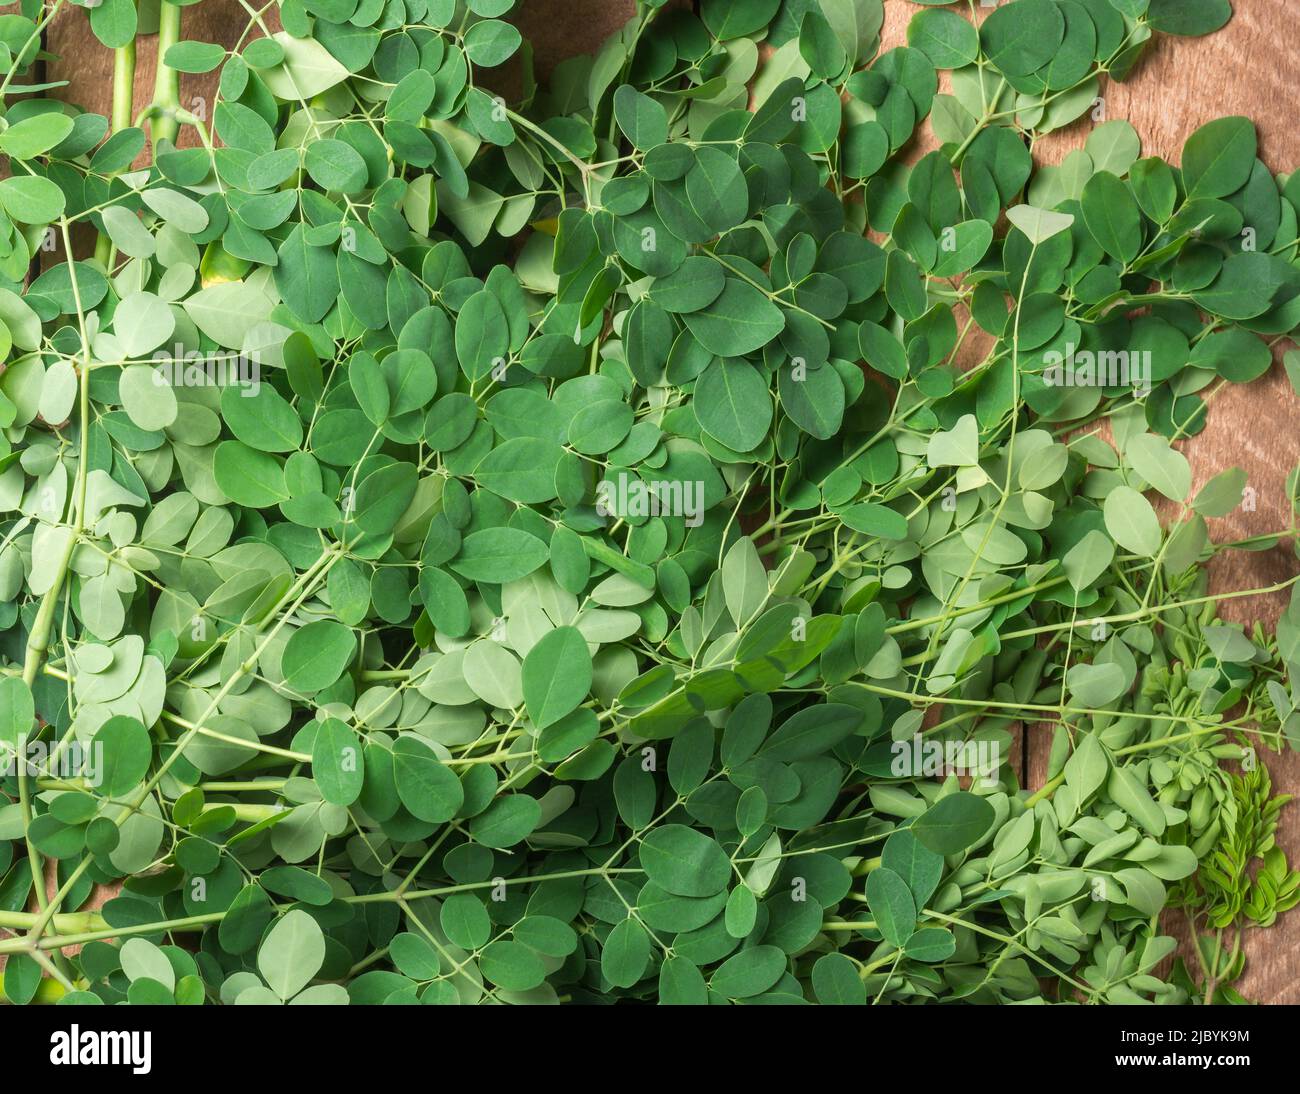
{"points": [[1250, 67]]}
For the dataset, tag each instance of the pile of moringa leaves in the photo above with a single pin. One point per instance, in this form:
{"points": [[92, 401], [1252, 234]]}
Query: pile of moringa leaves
{"points": [[603, 543]]}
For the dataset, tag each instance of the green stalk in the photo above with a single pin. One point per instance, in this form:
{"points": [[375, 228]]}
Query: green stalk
{"points": [[66, 923], [167, 84], [123, 101], [248, 812], [123, 86]]}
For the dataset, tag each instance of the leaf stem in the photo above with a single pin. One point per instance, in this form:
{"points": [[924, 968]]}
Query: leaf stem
{"points": [[167, 83], [123, 103]]}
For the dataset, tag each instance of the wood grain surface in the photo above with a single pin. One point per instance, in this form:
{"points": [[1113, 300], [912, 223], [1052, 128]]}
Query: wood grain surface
{"points": [[1250, 67]]}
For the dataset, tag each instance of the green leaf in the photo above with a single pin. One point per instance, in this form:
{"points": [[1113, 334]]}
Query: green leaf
{"points": [[864, 149], [316, 655], [522, 469], [31, 199], [150, 404], [427, 787], [445, 601], [507, 821], [22, 979], [961, 250], [812, 731], [744, 582], [412, 96], [465, 921], [123, 751], [681, 983], [954, 823], [114, 22], [334, 165], [291, 954], [1039, 225], [643, 121], [945, 37], [733, 404], [1188, 17], [261, 418], [931, 944], [306, 70], [1022, 36], [891, 905], [684, 862], [59, 392], [177, 209], [127, 233], [17, 710], [717, 190], [1132, 522], [836, 981], [491, 42], [626, 954], [1128, 792], [1163, 467], [814, 401], [1155, 188], [557, 675], [248, 477], [482, 335], [1245, 286], [194, 56], [33, 137], [727, 20], [498, 555], [1113, 146], [1218, 157], [336, 762], [741, 320], [1087, 768], [694, 285], [1095, 686], [511, 966], [749, 973], [227, 312], [300, 884], [875, 520], [493, 673], [306, 276], [1221, 494], [957, 447], [915, 863], [246, 919], [1112, 216], [415, 956]]}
